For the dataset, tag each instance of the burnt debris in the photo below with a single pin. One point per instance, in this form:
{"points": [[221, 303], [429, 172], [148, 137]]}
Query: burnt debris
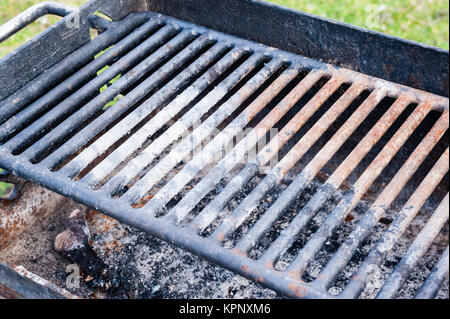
{"points": [[73, 243]]}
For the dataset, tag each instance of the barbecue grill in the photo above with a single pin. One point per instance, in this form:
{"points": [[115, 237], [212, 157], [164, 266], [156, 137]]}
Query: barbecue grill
{"points": [[355, 123]]}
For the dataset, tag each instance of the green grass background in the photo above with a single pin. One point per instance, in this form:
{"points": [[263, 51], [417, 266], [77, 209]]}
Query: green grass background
{"points": [[425, 21]]}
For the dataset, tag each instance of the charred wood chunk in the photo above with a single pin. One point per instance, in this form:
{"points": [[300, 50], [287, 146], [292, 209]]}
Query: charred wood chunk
{"points": [[74, 244]]}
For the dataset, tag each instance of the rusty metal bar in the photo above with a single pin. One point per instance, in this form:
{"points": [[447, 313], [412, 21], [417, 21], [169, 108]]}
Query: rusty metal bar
{"points": [[68, 105], [287, 236], [211, 211], [434, 281], [198, 135], [363, 183], [236, 155], [298, 120], [383, 202], [144, 158], [319, 128], [398, 226], [416, 251], [291, 192], [177, 213], [283, 136], [38, 86], [161, 118], [135, 117], [238, 216], [296, 153], [20, 120], [220, 141]]}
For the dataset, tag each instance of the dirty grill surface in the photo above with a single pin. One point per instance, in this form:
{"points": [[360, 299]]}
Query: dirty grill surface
{"points": [[361, 162]]}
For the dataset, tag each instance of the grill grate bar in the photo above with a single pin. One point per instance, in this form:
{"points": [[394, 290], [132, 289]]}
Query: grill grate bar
{"points": [[434, 281], [199, 134], [238, 216], [236, 126], [123, 83], [398, 226], [238, 152], [70, 104], [352, 197], [161, 118], [38, 86], [207, 154], [125, 125], [228, 162], [179, 128], [383, 202], [418, 248], [295, 154], [287, 236], [40, 106], [113, 113]]}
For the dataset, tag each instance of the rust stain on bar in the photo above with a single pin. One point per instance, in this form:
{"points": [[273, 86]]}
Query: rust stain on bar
{"points": [[412, 164], [391, 147], [308, 140], [255, 107], [397, 228], [366, 144], [297, 122], [384, 200], [345, 131], [366, 179]]}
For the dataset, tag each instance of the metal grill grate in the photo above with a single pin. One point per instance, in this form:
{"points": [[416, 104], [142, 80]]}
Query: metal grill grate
{"points": [[183, 88]]}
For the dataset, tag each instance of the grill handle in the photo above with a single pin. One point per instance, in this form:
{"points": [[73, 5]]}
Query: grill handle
{"points": [[41, 9], [31, 14]]}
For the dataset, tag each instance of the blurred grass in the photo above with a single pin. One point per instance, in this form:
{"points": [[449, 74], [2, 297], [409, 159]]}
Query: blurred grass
{"points": [[425, 21]]}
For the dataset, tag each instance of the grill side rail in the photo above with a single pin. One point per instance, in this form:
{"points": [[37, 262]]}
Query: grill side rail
{"points": [[359, 49]]}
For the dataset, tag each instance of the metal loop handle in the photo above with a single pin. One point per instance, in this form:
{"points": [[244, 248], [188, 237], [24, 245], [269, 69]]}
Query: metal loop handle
{"points": [[31, 14]]}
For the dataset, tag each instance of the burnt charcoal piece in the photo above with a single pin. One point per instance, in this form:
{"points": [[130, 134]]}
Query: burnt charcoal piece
{"points": [[74, 244]]}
